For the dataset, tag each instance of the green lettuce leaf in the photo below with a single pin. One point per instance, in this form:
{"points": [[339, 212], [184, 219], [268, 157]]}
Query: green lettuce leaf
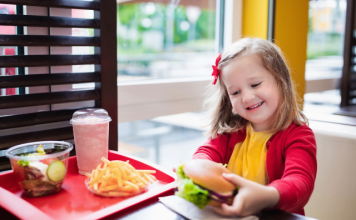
{"points": [[180, 173], [190, 191], [23, 162]]}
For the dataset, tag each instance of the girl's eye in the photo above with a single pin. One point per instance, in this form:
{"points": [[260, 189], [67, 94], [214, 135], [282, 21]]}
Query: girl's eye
{"points": [[235, 93], [255, 85]]}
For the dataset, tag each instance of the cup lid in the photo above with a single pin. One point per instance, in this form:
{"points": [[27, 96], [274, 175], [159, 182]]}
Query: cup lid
{"points": [[90, 115]]}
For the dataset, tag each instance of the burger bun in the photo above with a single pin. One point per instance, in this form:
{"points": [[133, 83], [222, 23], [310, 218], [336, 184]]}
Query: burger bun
{"points": [[208, 174]]}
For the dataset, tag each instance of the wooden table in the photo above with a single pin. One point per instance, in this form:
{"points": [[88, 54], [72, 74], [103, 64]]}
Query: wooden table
{"points": [[153, 209]]}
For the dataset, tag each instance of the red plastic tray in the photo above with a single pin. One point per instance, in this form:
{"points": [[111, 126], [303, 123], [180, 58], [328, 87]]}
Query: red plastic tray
{"points": [[75, 201]]}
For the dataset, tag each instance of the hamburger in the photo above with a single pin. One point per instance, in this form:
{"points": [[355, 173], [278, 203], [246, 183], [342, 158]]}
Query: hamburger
{"points": [[201, 183]]}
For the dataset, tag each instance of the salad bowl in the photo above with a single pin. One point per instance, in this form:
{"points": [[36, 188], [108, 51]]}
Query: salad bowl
{"points": [[40, 167]]}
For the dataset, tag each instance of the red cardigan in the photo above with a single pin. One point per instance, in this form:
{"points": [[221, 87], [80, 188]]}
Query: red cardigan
{"points": [[291, 162]]}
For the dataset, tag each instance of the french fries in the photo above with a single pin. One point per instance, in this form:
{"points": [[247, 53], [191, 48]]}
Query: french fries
{"points": [[118, 178]]}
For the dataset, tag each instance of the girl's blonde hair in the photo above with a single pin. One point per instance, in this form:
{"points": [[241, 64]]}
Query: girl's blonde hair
{"points": [[221, 116]]}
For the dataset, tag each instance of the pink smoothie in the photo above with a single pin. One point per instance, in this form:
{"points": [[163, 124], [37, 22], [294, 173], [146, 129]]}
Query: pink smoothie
{"points": [[91, 143]]}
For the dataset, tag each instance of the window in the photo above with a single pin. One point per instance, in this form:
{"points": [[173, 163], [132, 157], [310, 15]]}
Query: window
{"points": [[158, 40], [44, 109], [166, 140], [83, 32], [172, 90], [8, 50], [44, 50], [325, 55], [161, 84]]}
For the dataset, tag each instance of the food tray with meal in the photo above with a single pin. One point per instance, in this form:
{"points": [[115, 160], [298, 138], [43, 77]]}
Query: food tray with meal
{"points": [[93, 196]]}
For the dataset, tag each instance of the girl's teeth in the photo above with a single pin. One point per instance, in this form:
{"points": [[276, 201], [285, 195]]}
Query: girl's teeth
{"points": [[256, 105]]}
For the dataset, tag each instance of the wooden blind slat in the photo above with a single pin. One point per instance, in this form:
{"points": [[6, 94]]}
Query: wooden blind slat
{"points": [[16, 101], [37, 118], [47, 60], [56, 3], [47, 21], [53, 134], [47, 79], [42, 40]]}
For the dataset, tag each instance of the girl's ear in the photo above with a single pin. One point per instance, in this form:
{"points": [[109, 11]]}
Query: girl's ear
{"points": [[234, 112]]}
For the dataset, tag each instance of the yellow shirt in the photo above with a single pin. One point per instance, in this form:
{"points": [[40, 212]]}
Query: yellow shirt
{"points": [[249, 157]]}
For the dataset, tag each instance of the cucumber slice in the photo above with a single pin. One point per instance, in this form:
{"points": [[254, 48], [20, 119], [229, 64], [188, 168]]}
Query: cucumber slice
{"points": [[56, 171]]}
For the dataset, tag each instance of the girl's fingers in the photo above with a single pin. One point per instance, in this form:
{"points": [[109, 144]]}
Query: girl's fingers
{"points": [[235, 179], [234, 209], [228, 210], [219, 210], [222, 211]]}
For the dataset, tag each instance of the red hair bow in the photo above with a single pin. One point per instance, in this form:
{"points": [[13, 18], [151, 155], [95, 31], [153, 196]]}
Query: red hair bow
{"points": [[215, 69]]}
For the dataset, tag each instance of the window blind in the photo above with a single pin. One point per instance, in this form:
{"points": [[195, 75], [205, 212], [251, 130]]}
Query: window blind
{"points": [[105, 75]]}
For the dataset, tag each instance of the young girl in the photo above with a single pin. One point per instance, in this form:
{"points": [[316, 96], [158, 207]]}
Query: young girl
{"points": [[257, 129]]}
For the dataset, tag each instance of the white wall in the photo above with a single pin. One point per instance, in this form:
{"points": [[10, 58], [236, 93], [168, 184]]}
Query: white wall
{"points": [[334, 196]]}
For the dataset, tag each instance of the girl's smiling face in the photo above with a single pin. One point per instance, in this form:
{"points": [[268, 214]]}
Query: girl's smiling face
{"points": [[252, 89]]}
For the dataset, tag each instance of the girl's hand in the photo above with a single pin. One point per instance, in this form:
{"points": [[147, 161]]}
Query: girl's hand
{"points": [[251, 198]]}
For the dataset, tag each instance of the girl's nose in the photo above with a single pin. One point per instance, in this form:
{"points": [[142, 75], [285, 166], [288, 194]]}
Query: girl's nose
{"points": [[248, 97]]}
